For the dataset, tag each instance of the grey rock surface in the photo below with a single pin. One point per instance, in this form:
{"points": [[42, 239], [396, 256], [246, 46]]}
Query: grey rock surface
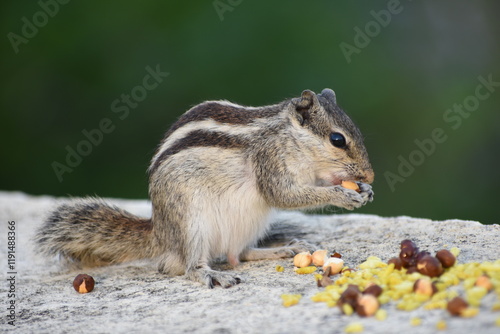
{"points": [[134, 297]]}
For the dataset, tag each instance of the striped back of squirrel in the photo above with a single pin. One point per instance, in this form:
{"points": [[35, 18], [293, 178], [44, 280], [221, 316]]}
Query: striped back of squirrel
{"points": [[227, 125]]}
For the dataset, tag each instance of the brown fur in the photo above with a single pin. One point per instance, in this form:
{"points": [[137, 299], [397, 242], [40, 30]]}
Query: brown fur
{"points": [[214, 183]]}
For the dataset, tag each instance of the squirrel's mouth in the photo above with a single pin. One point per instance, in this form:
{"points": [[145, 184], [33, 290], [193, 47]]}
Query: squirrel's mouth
{"points": [[335, 181], [332, 180]]}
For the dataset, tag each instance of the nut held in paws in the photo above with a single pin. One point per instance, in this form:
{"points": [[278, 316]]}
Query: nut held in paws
{"points": [[83, 283], [350, 185]]}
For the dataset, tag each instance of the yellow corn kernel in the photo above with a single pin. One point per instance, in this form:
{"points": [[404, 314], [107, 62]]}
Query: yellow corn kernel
{"points": [[475, 294], [441, 295], [381, 314], [419, 297], [469, 282], [472, 270], [372, 262], [394, 279], [449, 279], [331, 303], [496, 306], [440, 304], [489, 266], [334, 295], [388, 270], [395, 295], [289, 300], [341, 280], [441, 325], [384, 298], [495, 280], [455, 251], [322, 296], [459, 270], [414, 276], [415, 321], [497, 322], [280, 269], [404, 287], [347, 309], [367, 275], [441, 286], [305, 270], [469, 312], [354, 327], [408, 305]]}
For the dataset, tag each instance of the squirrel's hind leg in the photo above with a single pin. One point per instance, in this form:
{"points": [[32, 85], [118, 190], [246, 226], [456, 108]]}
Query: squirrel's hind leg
{"points": [[197, 263], [171, 264]]}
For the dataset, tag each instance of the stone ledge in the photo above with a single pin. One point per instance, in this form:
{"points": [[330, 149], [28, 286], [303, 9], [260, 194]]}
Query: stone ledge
{"points": [[135, 297]]}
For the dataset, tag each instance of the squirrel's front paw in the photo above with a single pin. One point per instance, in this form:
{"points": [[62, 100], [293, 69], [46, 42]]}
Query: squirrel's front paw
{"points": [[350, 199], [366, 192]]}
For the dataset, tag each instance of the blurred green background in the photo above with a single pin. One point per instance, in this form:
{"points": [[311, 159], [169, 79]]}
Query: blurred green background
{"points": [[407, 64]]}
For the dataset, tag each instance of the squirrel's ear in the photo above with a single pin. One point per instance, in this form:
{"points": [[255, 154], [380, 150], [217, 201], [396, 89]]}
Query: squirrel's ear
{"points": [[329, 94], [304, 104]]}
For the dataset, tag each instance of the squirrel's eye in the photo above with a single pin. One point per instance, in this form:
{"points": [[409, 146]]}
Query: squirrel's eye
{"points": [[338, 140]]}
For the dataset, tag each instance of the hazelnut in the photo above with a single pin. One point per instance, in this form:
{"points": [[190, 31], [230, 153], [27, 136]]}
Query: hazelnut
{"points": [[350, 296], [350, 185], [408, 252], [319, 257], [429, 266], [408, 243], [446, 258], [425, 287], [367, 305], [420, 255], [335, 265], [484, 282], [302, 260], [374, 290], [397, 263], [456, 306], [83, 283]]}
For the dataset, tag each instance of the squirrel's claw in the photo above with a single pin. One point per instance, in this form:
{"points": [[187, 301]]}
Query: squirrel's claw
{"points": [[366, 192]]}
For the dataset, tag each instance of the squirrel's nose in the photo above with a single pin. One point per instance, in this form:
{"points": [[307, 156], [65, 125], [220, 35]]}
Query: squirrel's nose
{"points": [[369, 176]]}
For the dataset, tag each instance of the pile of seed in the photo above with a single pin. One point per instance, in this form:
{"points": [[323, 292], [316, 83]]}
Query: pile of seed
{"points": [[413, 279]]}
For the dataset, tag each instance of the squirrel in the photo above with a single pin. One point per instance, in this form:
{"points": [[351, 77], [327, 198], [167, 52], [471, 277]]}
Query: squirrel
{"points": [[216, 179]]}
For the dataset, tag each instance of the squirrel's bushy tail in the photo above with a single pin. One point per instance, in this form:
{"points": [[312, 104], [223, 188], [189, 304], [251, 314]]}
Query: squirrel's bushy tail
{"points": [[93, 233]]}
